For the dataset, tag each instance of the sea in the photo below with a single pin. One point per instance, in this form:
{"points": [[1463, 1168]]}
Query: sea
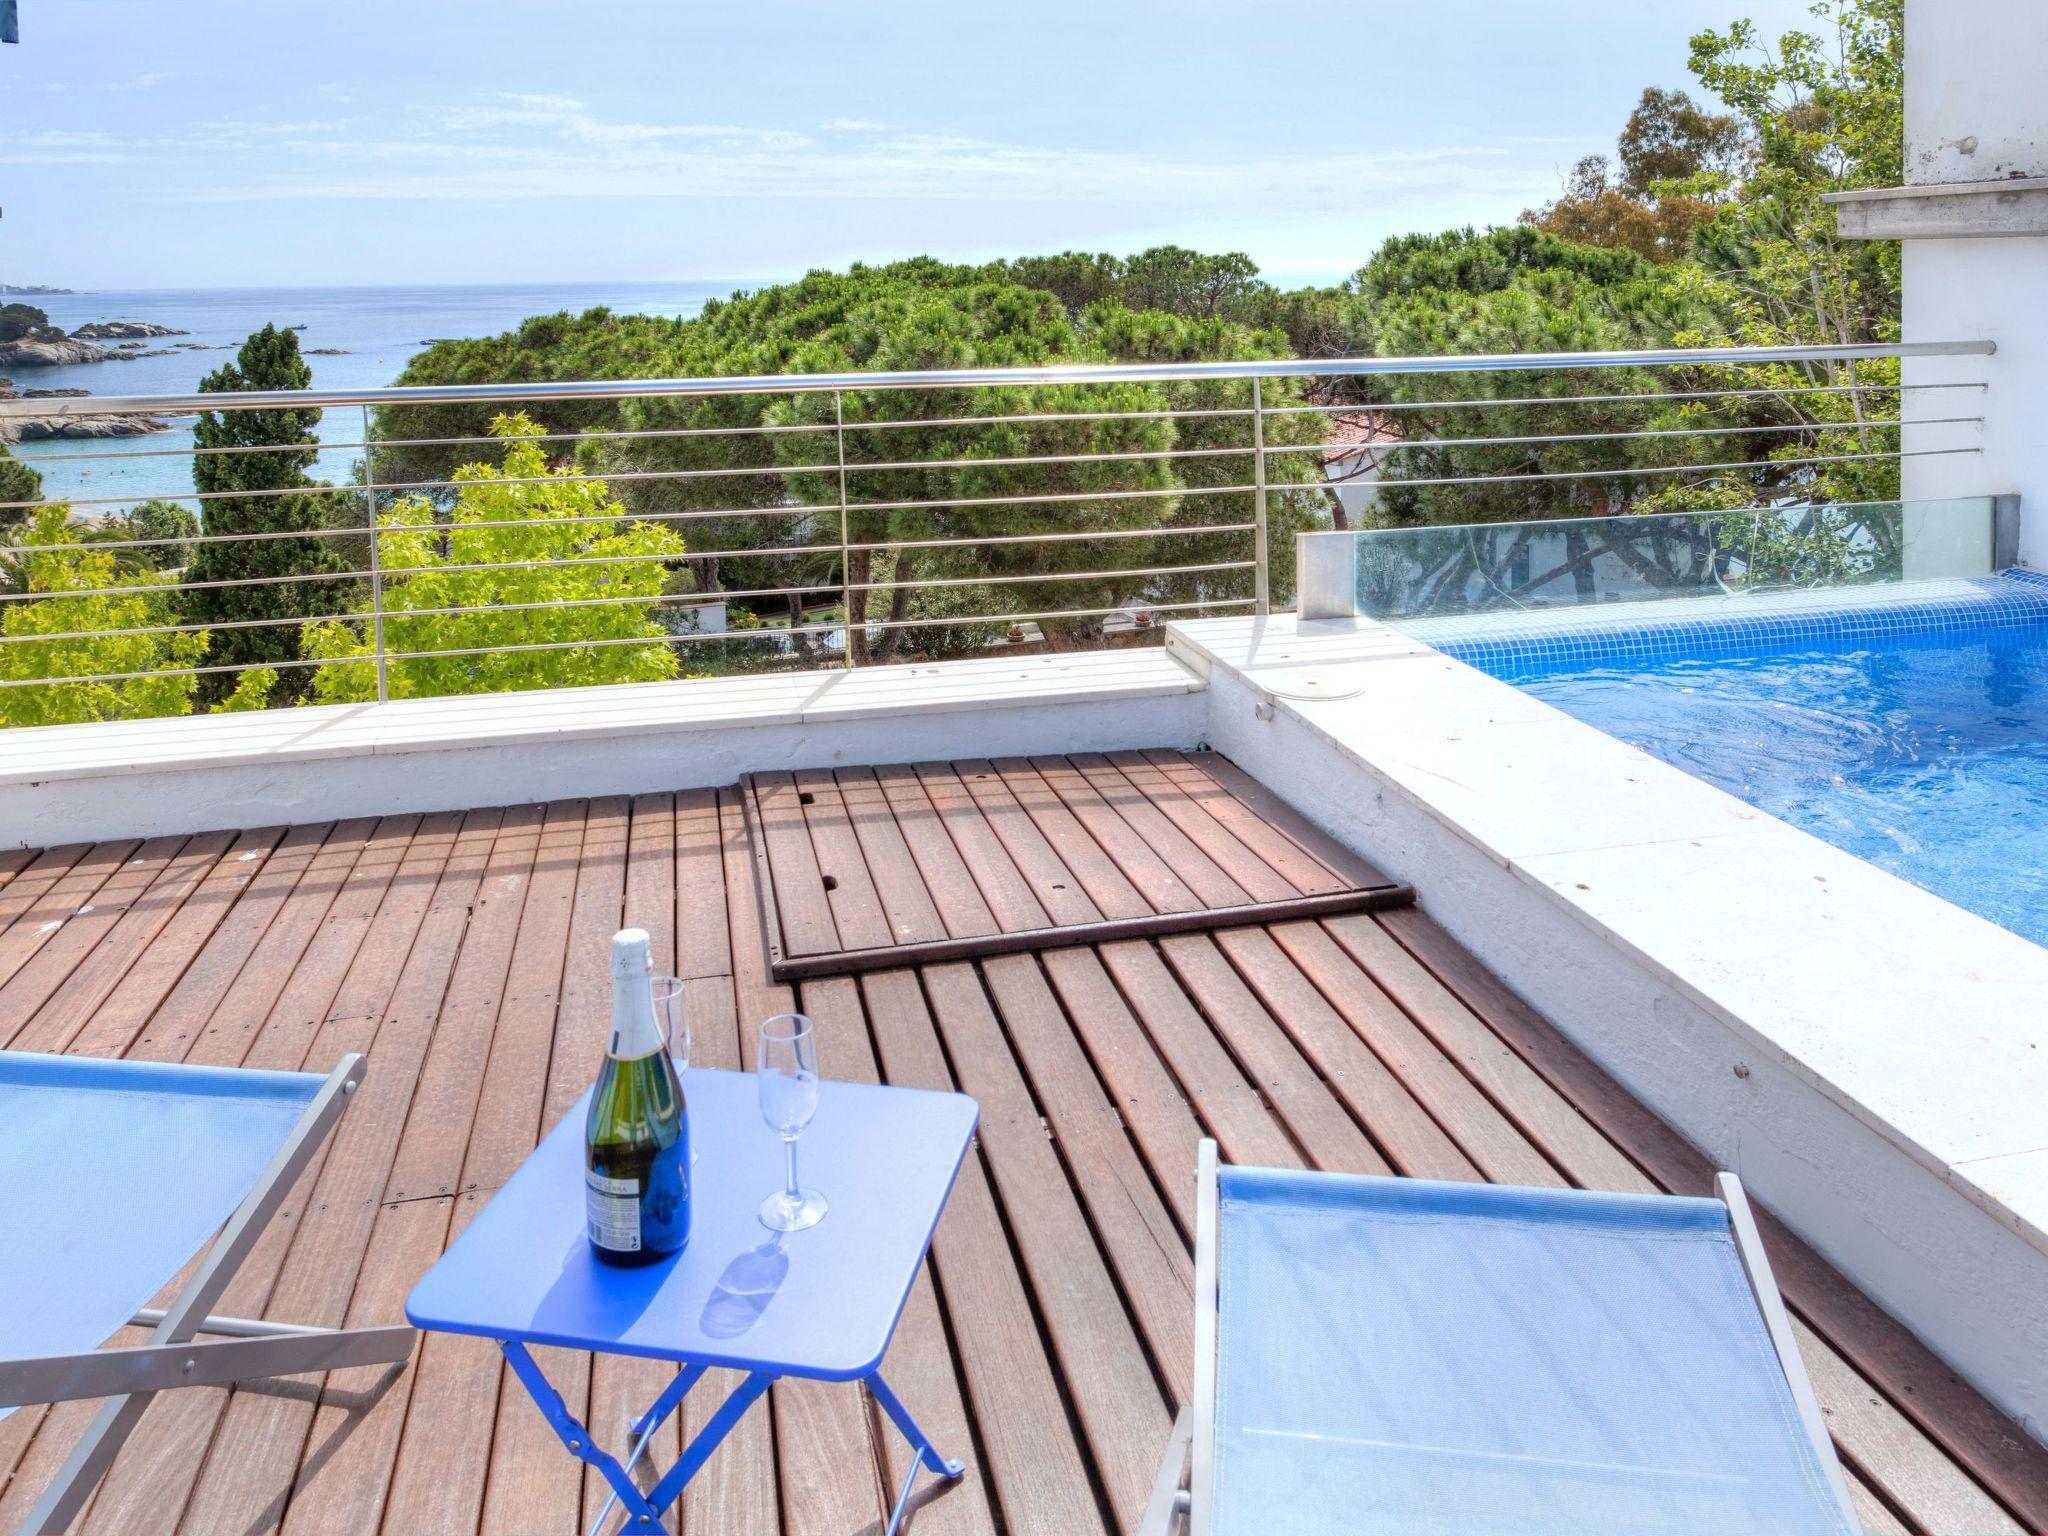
{"points": [[352, 338]]}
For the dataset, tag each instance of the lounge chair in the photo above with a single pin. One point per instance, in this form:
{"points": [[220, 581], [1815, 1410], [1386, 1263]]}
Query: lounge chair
{"points": [[1398, 1355], [113, 1174]]}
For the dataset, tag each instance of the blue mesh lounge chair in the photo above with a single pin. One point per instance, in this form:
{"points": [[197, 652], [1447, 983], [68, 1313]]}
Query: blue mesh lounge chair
{"points": [[113, 1175], [1397, 1355]]}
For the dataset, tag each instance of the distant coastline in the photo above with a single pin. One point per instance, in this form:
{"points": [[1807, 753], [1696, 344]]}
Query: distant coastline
{"points": [[33, 288]]}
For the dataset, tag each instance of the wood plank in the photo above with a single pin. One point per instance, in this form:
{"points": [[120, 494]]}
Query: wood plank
{"points": [[240, 1014], [1029, 1441], [12, 862], [1147, 1099], [1983, 1442], [1265, 816], [703, 942], [174, 1030], [1101, 1359], [1133, 1227], [907, 904], [801, 913], [1135, 858], [1157, 925], [38, 920], [920, 1365], [857, 911], [1225, 1102], [62, 1009], [353, 1445], [1252, 816], [1210, 882], [1114, 894], [245, 1485], [1004, 887], [83, 931], [112, 1027], [1547, 1117], [965, 910], [1319, 1123], [1483, 1134], [1055, 887], [33, 881], [174, 1436], [1212, 821], [1402, 1129]]}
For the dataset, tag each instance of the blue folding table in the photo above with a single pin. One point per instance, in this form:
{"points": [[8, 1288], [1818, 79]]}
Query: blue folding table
{"points": [[821, 1303]]}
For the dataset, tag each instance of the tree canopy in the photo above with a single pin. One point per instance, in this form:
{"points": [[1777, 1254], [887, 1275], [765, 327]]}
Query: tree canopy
{"points": [[469, 607], [250, 463], [933, 492]]}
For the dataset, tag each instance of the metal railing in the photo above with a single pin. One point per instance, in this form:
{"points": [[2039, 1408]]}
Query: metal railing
{"points": [[892, 516]]}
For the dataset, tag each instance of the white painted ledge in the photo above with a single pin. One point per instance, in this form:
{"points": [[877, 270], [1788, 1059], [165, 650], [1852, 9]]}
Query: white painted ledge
{"points": [[1944, 210], [1870, 1058], [63, 784]]}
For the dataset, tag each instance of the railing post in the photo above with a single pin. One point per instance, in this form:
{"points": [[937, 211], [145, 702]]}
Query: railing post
{"points": [[1262, 596], [845, 543], [376, 565]]}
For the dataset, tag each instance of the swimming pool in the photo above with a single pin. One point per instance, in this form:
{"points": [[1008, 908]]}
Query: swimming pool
{"points": [[1908, 727]]}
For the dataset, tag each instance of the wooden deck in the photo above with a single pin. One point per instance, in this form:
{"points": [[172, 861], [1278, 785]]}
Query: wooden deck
{"points": [[1050, 1336]]}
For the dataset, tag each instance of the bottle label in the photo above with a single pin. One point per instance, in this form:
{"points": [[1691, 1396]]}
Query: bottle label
{"points": [[612, 1207]]}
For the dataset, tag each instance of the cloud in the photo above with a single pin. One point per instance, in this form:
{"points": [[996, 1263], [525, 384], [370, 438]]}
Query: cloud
{"points": [[523, 146], [143, 82]]}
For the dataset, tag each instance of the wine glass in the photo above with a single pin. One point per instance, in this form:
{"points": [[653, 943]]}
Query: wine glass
{"points": [[673, 1017], [788, 1085]]}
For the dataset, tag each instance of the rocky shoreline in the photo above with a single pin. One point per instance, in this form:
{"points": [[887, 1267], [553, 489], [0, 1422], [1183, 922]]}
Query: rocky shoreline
{"points": [[35, 429], [51, 348]]}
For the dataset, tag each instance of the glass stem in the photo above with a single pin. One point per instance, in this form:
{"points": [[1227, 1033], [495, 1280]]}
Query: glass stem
{"points": [[792, 1196]]}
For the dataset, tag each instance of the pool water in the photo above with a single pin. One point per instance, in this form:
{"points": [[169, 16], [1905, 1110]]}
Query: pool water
{"points": [[1924, 753]]}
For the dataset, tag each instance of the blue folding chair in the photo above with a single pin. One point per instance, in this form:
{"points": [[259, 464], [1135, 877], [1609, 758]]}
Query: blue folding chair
{"points": [[1399, 1355], [112, 1176]]}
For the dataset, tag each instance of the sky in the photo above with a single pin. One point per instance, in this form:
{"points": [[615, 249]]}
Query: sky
{"points": [[233, 143]]}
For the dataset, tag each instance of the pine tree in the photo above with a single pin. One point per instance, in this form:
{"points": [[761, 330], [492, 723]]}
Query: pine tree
{"points": [[268, 360]]}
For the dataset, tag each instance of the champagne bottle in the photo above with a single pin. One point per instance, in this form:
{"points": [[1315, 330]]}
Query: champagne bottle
{"points": [[636, 1170]]}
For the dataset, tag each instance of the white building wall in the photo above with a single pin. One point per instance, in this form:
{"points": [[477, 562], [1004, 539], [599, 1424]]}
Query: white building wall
{"points": [[1977, 110]]}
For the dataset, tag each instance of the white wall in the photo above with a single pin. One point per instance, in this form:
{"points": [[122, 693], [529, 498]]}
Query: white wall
{"points": [[1977, 110]]}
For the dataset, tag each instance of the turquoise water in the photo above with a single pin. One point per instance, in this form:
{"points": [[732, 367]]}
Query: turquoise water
{"points": [[1924, 752], [375, 331]]}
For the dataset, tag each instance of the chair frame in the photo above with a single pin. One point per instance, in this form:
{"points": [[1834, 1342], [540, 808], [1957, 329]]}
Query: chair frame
{"points": [[1192, 1448], [239, 1349]]}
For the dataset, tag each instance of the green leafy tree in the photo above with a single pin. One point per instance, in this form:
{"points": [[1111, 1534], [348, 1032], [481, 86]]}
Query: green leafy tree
{"points": [[82, 630], [1676, 160], [18, 483], [261, 491], [1826, 111], [466, 595], [936, 492], [168, 526], [24, 322]]}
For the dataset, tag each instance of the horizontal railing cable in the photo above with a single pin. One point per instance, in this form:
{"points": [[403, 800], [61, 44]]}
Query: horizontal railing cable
{"points": [[969, 378], [923, 530]]}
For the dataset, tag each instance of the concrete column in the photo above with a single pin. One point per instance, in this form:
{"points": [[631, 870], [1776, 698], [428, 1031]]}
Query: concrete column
{"points": [[1977, 113]]}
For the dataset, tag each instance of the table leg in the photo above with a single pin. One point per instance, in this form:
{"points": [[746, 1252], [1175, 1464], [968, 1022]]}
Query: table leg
{"points": [[927, 1453], [671, 1486], [643, 1428], [643, 1517]]}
